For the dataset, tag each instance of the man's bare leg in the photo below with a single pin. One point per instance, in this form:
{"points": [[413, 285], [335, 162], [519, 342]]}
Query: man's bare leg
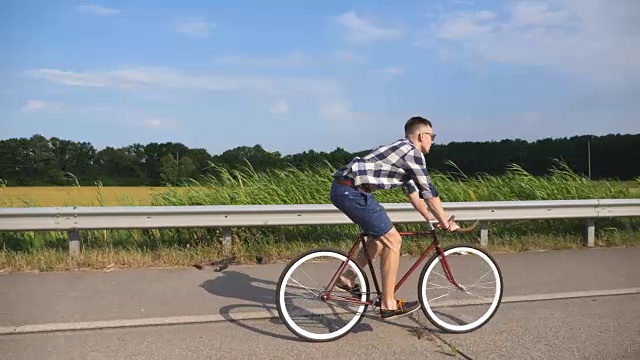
{"points": [[390, 244], [373, 248], [389, 267]]}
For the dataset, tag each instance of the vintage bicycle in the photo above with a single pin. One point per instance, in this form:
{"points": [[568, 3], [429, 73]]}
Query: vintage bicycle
{"points": [[456, 262]]}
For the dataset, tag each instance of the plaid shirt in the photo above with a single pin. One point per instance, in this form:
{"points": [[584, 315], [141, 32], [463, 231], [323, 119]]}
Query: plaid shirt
{"points": [[397, 164]]}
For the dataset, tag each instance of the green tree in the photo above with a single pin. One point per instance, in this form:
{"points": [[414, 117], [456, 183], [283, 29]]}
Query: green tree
{"points": [[176, 170], [75, 160], [257, 156], [40, 161]]}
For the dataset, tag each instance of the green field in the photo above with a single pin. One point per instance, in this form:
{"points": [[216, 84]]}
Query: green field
{"points": [[179, 247]]}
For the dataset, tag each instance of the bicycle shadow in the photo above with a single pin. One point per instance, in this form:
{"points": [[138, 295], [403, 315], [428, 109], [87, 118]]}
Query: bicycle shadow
{"points": [[259, 294]]}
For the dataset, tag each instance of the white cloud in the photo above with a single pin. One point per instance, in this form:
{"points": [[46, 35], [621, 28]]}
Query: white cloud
{"points": [[537, 13], [467, 25], [67, 77], [153, 77], [32, 105], [390, 70], [361, 30], [40, 105], [159, 123], [195, 27], [37, 105], [595, 40], [280, 107], [348, 56], [339, 111], [530, 118], [140, 78], [98, 10], [293, 59]]}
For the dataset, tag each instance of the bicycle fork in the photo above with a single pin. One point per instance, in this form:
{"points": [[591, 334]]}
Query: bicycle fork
{"points": [[446, 269]]}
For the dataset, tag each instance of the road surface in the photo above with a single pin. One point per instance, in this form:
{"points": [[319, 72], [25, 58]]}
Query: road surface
{"points": [[573, 304]]}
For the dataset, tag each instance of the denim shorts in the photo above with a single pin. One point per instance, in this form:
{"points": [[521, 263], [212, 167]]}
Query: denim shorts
{"points": [[362, 208]]}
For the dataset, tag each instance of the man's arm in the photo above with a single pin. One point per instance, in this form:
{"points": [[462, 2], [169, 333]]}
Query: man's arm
{"points": [[420, 205], [436, 206], [426, 189]]}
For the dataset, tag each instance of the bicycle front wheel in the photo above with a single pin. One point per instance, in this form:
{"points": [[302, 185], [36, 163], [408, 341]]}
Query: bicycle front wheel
{"points": [[299, 291], [464, 309]]}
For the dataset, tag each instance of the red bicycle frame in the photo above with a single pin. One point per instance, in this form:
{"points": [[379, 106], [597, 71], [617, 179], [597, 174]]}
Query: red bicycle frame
{"points": [[435, 244]]}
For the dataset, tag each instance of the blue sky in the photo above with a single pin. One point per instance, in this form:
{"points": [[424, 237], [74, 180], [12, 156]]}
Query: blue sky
{"points": [[294, 77]]}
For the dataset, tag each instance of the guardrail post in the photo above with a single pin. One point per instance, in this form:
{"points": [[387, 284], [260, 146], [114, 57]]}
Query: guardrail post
{"points": [[226, 240], [74, 242], [484, 233], [590, 232]]}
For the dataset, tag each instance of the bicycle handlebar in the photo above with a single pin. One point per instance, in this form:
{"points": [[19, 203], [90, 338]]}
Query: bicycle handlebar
{"points": [[460, 229], [468, 228]]}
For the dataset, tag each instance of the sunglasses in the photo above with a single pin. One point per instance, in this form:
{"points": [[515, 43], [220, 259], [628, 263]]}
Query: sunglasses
{"points": [[433, 136]]}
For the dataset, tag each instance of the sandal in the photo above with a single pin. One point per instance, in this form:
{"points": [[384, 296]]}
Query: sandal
{"points": [[403, 308]]}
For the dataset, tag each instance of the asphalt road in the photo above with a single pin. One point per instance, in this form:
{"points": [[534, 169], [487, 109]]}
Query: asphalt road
{"points": [[599, 328], [591, 327]]}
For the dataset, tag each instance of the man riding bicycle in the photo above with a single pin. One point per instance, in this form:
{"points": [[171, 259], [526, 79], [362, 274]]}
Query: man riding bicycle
{"points": [[400, 163]]}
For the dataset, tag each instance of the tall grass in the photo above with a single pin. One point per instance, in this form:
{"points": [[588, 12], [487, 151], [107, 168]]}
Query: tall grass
{"points": [[296, 186]]}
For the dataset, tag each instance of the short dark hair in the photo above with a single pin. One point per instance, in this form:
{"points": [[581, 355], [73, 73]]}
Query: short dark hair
{"points": [[413, 123]]}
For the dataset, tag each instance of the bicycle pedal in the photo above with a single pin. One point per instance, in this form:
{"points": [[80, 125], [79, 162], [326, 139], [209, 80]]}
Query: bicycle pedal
{"points": [[376, 303]]}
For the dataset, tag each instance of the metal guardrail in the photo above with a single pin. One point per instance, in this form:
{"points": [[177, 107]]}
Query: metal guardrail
{"points": [[73, 219]]}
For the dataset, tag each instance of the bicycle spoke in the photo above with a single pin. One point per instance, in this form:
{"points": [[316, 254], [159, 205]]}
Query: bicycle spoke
{"points": [[310, 316], [482, 277], [304, 287], [467, 309], [442, 287], [310, 277], [441, 296], [478, 296], [477, 286], [442, 276]]}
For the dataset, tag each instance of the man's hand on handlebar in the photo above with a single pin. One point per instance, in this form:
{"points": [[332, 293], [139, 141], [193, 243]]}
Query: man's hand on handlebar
{"points": [[451, 225]]}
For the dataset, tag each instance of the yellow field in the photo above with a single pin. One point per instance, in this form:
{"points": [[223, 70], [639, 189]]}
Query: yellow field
{"points": [[25, 196], [633, 186]]}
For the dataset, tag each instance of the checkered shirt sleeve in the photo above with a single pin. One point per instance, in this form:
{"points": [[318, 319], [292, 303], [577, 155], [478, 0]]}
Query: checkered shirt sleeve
{"points": [[420, 178]]}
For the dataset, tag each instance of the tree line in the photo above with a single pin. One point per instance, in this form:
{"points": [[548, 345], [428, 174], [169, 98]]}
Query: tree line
{"points": [[38, 160]]}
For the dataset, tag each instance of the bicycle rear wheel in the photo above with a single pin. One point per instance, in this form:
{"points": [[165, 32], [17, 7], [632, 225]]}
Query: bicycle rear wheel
{"points": [[449, 313], [335, 317]]}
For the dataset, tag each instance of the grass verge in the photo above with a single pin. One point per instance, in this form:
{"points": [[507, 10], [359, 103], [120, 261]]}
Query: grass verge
{"points": [[47, 251], [58, 259]]}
